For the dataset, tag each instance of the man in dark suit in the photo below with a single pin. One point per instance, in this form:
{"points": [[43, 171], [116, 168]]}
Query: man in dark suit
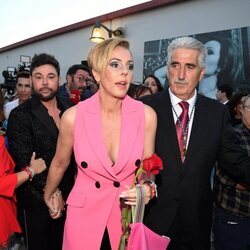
{"points": [[224, 93], [183, 209], [33, 127]]}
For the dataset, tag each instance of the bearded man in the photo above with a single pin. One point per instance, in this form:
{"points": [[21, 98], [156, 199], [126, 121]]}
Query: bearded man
{"points": [[33, 127]]}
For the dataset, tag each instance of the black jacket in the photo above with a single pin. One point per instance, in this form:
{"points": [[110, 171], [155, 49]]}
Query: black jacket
{"points": [[32, 129], [184, 188]]}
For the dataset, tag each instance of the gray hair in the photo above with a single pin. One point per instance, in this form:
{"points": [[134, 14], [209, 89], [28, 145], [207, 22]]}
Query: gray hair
{"points": [[188, 43], [244, 99]]}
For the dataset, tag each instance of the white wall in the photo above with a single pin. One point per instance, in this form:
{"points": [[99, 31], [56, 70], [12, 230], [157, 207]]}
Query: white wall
{"points": [[185, 18]]}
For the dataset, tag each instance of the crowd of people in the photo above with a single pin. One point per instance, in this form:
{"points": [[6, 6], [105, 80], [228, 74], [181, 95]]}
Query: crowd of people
{"points": [[69, 153]]}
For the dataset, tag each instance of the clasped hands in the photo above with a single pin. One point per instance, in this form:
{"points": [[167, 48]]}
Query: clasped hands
{"points": [[55, 204]]}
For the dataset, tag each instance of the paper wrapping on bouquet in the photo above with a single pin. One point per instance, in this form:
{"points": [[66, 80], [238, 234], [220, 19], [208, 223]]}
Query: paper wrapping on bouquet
{"points": [[141, 237]]}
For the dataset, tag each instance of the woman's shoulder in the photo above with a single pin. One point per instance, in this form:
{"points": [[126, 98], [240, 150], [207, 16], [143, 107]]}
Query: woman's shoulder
{"points": [[150, 114], [69, 115], [133, 102], [90, 103], [139, 105]]}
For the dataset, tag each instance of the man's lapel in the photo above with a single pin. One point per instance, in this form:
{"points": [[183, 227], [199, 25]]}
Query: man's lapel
{"points": [[41, 113], [167, 120], [197, 128]]}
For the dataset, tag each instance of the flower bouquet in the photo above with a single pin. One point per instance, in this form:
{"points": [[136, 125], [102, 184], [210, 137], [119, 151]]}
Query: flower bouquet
{"points": [[150, 166]]}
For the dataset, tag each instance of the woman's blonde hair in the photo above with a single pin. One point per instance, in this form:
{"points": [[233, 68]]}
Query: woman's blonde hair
{"points": [[100, 55]]}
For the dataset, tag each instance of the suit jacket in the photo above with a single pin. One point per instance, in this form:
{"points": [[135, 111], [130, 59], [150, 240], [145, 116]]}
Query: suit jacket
{"points": [[185, 187], [31, 129], [8, 181]]}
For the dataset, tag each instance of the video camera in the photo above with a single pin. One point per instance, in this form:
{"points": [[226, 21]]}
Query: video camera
{"points": [[9, 79], [10, 75]]}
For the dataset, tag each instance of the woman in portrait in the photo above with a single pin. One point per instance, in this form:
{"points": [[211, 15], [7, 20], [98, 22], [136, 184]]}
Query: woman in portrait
{"points": [[223, 64]]}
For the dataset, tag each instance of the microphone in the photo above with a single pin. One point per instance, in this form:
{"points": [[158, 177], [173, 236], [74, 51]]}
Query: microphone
{"points": [[75, 96]]}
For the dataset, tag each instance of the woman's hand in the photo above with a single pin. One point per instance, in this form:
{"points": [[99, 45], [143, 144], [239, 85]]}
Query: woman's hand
{"points": [[37, 165], [129, 195]]}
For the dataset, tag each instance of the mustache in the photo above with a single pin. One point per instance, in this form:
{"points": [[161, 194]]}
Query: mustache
{"points": [[181, 82], [81, 88], [45, 88]]}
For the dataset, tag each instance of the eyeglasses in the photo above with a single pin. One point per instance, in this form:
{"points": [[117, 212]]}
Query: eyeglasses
{"points": [[83, 79]]}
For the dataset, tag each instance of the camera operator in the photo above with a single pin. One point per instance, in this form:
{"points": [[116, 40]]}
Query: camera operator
{"points": [[23, 91]]}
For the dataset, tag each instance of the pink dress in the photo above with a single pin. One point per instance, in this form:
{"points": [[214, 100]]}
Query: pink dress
{"points": [[93, 203]]}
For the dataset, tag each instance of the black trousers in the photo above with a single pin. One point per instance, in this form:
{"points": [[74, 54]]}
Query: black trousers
{"points": [[105, 241], [40, 231], [179, 238]]}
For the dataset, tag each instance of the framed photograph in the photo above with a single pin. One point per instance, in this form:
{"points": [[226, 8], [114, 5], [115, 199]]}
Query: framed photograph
{"points": [[228, 60]]}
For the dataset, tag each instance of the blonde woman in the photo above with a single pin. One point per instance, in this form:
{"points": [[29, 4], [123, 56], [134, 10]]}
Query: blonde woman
{"points": [[110, 133]]}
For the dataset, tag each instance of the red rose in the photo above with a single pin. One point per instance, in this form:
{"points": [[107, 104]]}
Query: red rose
{"points": [[152, 164]]}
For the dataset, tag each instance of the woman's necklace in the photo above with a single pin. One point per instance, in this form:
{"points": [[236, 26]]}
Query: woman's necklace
{"points": [[184, 131]]}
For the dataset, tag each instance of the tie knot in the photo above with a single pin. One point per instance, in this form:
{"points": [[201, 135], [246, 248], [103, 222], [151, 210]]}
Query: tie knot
{"points": [[184, 105]]}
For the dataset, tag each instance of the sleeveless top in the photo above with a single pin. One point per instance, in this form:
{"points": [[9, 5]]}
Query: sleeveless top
{"points": [[93, 203]]}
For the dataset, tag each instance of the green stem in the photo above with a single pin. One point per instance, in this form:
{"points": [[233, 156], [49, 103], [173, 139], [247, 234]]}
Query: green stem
{"points": [[127, 216]]}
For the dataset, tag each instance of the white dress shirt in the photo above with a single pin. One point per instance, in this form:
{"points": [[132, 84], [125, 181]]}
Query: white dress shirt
{"points": [[9, 106], [177, 108]]}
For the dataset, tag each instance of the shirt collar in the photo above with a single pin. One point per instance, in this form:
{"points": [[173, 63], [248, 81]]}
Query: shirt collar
{"points": [[175, 100]]}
